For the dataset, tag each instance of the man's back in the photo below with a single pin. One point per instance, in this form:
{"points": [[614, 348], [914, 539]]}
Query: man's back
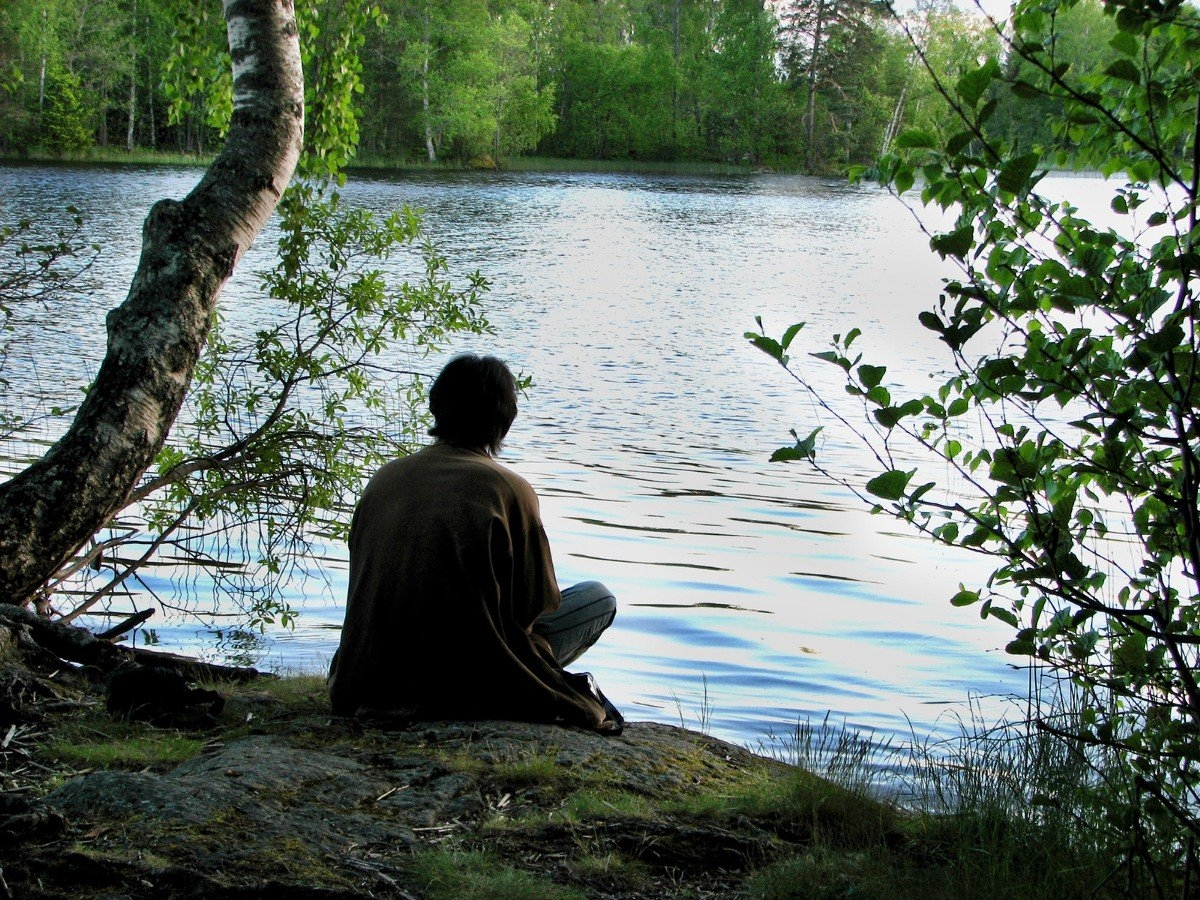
{"points": [[449, 567]]}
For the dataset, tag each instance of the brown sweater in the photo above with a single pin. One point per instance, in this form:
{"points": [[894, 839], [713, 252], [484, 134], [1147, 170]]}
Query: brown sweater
{"points": [[449, 567]]}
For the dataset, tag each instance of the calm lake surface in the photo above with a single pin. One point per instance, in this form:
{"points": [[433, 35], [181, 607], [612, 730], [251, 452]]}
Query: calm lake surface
{"points": [[752, 594]]}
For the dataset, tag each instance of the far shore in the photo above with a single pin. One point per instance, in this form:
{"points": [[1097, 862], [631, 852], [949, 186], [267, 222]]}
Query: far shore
{"points": [[99, 156]]}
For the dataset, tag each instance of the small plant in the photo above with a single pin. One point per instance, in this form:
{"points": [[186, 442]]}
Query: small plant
{"points": [[473, 875], [136, 750], [596, 804], [703, 715]]}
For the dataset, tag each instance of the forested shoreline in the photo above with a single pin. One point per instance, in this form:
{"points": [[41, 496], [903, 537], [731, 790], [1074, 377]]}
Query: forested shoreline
{"points": [[804, 85]]}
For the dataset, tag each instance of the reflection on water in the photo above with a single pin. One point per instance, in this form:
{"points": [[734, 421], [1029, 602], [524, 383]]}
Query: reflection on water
{"points": [[752, 593]]}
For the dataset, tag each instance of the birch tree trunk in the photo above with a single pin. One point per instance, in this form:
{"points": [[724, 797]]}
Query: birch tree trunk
{"points": [[189, 249], [810, 105], [430, 150]]}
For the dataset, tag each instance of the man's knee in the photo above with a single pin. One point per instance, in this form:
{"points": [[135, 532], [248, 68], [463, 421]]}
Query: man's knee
{"points": [[599, 600]]}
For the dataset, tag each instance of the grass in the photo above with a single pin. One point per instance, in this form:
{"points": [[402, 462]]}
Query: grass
{"points": [[117, 156], [476, 875], [610, 869], [139, 156], [703, 714], [291, 689], [595, 804], [1000, 811], [528, 771], [123, 747]]}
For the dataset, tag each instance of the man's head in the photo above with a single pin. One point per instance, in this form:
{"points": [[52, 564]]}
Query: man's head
{"points": [[474, 402]]}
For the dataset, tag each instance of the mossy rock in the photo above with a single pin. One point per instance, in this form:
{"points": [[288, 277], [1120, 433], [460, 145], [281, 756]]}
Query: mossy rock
{"points": [[284, 798]]}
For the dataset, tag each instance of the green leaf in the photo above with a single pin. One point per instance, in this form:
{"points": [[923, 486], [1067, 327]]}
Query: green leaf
{"points": [[1025, 90], [971, 86], [1003, 615], [870, 376], [767, 345], [802, 450], [921, 491], [890, 485], [879, 395], [964, 598], [1014, 176], [1125, 43], [1129, 20], [957, 243], [1163, 341], [915, 138], [931, 321], [888, 416], [790, 335], [1124, 70], [958, 143], [947, 533]]}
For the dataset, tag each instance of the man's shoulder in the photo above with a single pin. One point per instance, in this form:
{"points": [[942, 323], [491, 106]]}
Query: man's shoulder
{"points": [[445, 460]]}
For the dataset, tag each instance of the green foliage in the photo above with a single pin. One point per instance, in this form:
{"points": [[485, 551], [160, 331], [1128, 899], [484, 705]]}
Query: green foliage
{"points": [[1075, 39], [1069, 421], [66, 122], [834, 59], [617, 79], [468, 76], [332, 35], [197, 76], [280, 430], [741, 92]]}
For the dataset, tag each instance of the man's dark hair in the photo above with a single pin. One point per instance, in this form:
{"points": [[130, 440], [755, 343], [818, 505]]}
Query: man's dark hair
{"points": [[474, 402]]}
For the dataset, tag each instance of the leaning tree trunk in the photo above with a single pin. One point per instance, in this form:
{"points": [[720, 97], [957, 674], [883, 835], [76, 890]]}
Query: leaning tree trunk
{"points": [[189, 249]]}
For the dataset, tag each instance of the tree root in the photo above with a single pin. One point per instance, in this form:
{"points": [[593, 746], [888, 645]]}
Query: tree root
{"points": [[47, 640]]}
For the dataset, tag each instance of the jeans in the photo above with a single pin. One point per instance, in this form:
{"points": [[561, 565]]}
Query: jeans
{"points": [[587, 609]]}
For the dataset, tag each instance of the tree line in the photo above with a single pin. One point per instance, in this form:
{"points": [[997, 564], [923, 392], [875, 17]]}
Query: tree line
{"points": [[809, 84]]}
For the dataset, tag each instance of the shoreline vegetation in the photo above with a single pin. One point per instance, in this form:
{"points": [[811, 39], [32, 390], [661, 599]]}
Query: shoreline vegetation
{"points": [[97, 156], [268, 794], [373, 165], [279, 798]]}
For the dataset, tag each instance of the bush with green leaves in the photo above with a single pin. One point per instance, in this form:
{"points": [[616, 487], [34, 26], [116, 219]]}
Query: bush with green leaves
{"points": [[282, 425], [1064, 440]]}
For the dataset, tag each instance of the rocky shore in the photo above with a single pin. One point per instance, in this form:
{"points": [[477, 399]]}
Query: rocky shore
{"points": [[281, 799], [262, 792]]}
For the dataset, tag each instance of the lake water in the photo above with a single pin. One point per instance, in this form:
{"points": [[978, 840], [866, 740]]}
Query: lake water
{"points": [[752, 594]]}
